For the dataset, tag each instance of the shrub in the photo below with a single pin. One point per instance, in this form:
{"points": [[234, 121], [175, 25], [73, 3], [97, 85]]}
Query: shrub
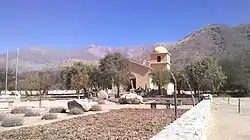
{"points": [[12, 122], [75, 111], [101, 102], [57, 110], [32, 113], [19, 110], [49, 116], [3, 116], [96, 108]]}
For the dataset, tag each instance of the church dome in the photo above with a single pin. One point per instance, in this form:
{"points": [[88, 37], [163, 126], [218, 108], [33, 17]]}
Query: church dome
{"points": [[160, 49]]}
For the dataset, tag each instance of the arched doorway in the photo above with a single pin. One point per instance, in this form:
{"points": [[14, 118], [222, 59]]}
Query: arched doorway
{"points": [[132, 82]]}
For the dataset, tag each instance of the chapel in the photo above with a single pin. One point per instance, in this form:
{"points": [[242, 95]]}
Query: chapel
{"points": [[139, 73]]}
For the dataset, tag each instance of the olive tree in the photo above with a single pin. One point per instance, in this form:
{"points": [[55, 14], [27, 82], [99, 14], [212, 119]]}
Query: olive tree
{"points": [[114, 70]]}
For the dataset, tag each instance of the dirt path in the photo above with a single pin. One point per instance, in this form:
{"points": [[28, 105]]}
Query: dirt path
{"points": [[226, 123]]}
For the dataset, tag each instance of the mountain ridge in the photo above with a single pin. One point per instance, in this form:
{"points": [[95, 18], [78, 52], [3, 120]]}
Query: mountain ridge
{"points": [[215, 40]]}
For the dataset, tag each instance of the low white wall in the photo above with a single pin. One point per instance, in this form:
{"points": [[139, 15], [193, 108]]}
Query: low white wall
{"points": [[49, 92], [191, 125]]}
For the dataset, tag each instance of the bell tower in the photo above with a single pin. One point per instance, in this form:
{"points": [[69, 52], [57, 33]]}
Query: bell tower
{"points": [[160, 59]]}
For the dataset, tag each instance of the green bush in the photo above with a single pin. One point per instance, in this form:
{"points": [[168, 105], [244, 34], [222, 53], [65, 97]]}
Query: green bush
{"points": [[96, 108], [57, 110], [49, 116], [32, 113], [75, 111], [19, 110], [12, 122]]}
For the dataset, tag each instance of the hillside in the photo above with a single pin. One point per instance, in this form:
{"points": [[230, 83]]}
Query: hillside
{"points": [[215, 40], [219, 41]]}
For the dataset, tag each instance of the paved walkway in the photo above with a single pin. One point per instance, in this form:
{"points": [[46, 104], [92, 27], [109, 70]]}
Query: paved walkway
{"points": [[226, 123]]}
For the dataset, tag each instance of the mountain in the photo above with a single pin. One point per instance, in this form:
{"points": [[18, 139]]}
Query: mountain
{"points": [[38, 58], [219, 41]]}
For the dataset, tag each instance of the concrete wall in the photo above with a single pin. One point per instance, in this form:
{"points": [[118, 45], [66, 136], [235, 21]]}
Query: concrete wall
{"points": [[191, 125]]}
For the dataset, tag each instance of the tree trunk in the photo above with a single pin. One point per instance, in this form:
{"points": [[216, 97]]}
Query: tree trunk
{"points": [[179, 90], [78, 94], [40, 99], [118, 91], [159, 89], [191, 92], [198, 88]]}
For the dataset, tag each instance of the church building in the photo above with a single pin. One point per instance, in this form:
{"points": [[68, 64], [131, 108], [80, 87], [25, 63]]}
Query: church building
{"points": [[140, 73]]}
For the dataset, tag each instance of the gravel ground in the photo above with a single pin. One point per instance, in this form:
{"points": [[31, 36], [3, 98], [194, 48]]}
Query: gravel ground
{"points": [[125, 124]]}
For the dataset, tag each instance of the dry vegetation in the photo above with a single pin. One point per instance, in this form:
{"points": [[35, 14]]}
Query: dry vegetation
{"points": [[75, 111], [57, 110], [12, 121], [19, 110], [132, 124], [49, 116], [32, 113]]}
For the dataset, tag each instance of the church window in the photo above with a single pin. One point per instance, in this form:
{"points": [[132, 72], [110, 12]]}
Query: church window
{"points": [[158, 58]]}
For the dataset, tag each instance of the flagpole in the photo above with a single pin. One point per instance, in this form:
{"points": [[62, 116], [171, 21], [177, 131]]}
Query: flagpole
{"points": [[6, 76], [17, 66]]}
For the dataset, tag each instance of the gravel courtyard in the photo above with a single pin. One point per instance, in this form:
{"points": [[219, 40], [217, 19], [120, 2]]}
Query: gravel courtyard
{"points": [[226, 123], [33, 121], [127, 124]]}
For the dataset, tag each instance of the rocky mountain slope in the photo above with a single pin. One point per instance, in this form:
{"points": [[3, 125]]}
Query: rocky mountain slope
{"points": [[220, 41]]}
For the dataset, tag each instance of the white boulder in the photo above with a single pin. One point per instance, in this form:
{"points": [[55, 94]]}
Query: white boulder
{"points": [[79, 103], [131, 98], [102, 95]]}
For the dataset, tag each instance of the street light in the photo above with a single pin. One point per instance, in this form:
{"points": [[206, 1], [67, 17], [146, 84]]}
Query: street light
{"points": [[175, 102]]}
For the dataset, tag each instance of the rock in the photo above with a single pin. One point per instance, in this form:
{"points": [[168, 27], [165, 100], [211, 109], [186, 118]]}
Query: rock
{"points": [[131, 99], [102, 95], [82, 104]]}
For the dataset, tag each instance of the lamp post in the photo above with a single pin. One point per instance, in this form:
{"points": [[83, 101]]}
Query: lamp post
{"points": [[175, 100]]}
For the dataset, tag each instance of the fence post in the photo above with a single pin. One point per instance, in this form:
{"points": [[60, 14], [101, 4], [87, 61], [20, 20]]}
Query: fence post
{"points": [[228, 100], [239, 106]]}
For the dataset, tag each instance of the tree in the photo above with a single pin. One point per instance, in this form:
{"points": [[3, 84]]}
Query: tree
{"points": [[114, 70], [11, 79], [160, 79], [205, 74], [238, 76], [40, 81], [95, 77], [182, 81], [179, 77], [77, 77]]}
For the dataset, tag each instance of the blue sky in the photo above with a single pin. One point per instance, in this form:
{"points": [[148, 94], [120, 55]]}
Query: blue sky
{"points": [[69, 24]]}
